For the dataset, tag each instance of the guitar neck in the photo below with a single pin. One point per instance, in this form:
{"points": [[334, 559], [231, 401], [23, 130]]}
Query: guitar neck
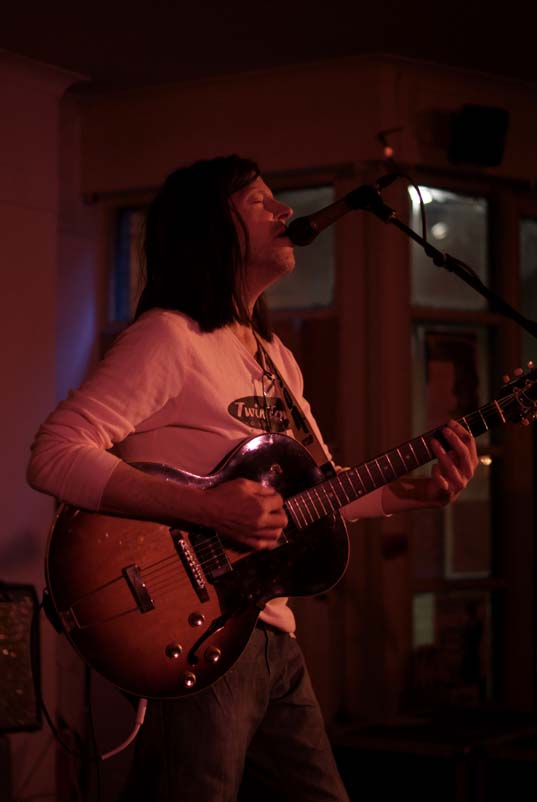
{"points": [[329, 496]]}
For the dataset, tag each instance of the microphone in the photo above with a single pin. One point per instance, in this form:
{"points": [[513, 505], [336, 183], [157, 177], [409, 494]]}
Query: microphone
{"points": [[304, 230]]}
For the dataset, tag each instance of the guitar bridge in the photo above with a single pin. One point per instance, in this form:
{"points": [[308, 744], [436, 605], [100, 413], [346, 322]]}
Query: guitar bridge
{"points": [[138, 588]]}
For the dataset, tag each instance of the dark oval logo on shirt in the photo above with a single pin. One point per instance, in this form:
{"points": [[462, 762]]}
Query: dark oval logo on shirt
{"points": [[253, 410]]}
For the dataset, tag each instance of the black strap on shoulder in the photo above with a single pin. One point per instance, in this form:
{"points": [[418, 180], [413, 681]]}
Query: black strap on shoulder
{"points": [[297, 420]]}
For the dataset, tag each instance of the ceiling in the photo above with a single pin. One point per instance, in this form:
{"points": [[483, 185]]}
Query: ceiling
{"points": [[125, 45]]}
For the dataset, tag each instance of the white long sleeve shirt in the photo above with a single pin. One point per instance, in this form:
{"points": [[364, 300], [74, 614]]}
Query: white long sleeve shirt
{"points": [[167, 392]]}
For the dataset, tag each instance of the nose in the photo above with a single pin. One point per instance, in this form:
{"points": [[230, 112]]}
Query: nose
{"points": [[280, 210]]}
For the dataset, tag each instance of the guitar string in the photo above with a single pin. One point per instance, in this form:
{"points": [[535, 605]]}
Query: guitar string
{"points": [[207, 549], [165, 582], [165, 576], [163, 571], [205, 552], [173, 560], [160, 565], [164, 568]]}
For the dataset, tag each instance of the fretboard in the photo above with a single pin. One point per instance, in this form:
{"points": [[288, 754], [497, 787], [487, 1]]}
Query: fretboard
{"points": [[329, 496]]}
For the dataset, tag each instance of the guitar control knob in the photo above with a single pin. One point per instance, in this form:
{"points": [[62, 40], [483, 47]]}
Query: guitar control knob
{"points": [[212, 654], [196, 619], [173, 650], [189, 679]]}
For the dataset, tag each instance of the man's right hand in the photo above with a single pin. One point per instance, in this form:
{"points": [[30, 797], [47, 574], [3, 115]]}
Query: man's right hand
{"points": [[245, 511]]}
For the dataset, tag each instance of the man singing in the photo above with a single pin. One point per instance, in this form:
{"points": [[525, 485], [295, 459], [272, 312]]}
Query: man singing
{"points": [[170, 391]]}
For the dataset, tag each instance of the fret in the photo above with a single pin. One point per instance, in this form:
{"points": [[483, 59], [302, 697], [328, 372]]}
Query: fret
{"points": [[382, 469], [388, 460], [500, 413], [366, 467], [403, 463], [291, 512], [483, 419], [303, 499], [464, 422], [298, 512], [416, 460], [376, 470], [331, 492], [327, 495], [359, 476], [340, 483], [348, 476], [334, 488], [311, 499], [427, 449], [479, 425], [421, 451], [320, 500]]}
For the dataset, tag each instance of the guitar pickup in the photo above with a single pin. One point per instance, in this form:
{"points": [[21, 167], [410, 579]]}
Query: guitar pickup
{"points": [[207, 543], [138, 588], [190, 564]]}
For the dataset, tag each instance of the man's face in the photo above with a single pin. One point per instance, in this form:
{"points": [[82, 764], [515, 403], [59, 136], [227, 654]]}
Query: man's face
{"points": [[270, 255]]}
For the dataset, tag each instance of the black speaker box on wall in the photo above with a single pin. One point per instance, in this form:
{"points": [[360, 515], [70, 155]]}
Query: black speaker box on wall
{"points": [[478, 136]]}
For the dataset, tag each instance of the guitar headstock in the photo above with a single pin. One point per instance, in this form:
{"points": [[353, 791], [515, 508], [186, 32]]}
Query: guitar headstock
{"points": [[518, 396]]}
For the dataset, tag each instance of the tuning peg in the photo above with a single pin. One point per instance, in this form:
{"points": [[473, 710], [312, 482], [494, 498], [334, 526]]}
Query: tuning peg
{"points": [[525, 421], [517, 372]]}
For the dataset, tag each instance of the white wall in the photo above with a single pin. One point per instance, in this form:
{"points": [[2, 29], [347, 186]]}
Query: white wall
{"points": [[29, 98]]}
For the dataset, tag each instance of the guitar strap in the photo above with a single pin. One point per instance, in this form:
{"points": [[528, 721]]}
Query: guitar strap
{"points": [[297, 420]]}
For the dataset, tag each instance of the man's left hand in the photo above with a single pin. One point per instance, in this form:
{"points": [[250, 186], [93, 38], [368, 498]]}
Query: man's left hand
{"points": [[454, 468]]}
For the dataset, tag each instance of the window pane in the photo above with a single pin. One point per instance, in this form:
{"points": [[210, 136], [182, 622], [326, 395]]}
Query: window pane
{"points": [[449, 362], [126, 279], [456, 224], [528, 286], [311, 284], [450, 662], [450, 365]]}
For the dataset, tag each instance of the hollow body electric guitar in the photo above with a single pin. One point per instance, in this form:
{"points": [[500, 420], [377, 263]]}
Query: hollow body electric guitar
{"points": [[166, 612]]}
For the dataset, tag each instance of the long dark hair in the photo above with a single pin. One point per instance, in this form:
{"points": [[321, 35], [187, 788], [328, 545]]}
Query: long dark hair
{"points": [[191, 250]]}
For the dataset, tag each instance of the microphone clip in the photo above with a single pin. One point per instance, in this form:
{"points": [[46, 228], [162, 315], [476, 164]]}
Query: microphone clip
{"points": [[368, 198]]}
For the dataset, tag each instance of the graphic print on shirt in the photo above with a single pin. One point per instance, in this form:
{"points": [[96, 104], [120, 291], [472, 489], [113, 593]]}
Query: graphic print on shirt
{"points": [[252, 410]]}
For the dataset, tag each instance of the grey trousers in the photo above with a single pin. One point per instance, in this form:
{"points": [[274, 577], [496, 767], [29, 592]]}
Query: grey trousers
{"points": [[256, 735]]}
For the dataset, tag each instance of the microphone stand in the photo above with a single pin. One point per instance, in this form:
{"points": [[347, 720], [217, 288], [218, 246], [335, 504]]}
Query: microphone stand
{"points": [[370, 200]]}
